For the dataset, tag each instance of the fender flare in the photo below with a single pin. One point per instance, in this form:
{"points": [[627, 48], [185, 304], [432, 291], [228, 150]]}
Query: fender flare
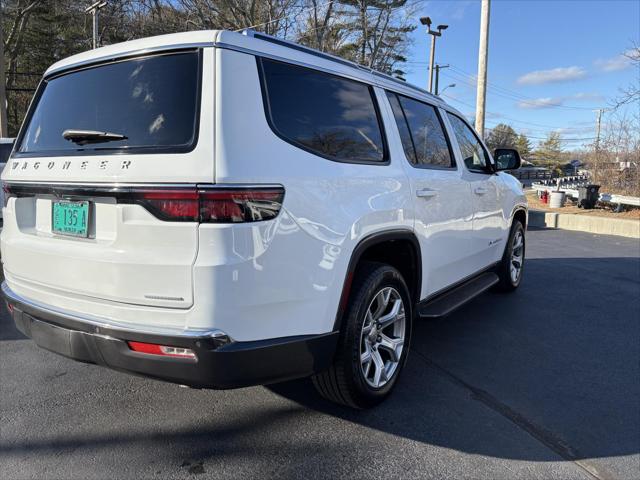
{"points": [[515, 210], [356, 254]]}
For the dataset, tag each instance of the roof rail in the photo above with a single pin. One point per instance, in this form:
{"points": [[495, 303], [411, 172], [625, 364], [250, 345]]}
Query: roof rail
{"points": [[312, 51]]}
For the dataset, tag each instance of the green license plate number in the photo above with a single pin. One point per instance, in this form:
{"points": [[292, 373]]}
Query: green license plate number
{"points": [[70, 218]]}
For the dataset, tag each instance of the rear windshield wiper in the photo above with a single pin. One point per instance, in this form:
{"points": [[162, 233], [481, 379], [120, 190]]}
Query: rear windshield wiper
{"points": [[84, 137]]}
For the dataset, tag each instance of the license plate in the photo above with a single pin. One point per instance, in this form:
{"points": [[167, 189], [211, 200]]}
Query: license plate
{"points": [[70, 218]]}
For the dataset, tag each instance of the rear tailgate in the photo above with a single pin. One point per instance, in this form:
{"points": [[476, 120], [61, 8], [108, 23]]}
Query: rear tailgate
{"points": [[128, 256], [160, 128]]}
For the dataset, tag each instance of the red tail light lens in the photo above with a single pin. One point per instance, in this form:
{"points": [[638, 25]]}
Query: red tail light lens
{"points": [[170, 205], [212, 205], [241, 205], [202, 203]]}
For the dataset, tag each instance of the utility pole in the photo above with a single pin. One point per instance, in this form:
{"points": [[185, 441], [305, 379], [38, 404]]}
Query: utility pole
{"points": [[481, 95], [438, 67], [93, 9], [434, 33], [3, 93], [596, 158]]}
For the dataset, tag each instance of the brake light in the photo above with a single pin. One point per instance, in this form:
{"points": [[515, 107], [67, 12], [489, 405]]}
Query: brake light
{"points": [[162, 350], [168, 204], [241, 205], [201, 203], [211, 205]]}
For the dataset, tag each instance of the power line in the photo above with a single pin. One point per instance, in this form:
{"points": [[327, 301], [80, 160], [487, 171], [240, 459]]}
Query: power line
{"points": [[500, 115], [460, 75]]}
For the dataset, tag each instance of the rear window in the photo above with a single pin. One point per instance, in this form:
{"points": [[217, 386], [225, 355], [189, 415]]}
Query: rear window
{"points": [[325, 114], [152, 101]]}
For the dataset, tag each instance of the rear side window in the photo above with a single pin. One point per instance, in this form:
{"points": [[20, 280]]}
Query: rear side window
{"points": [[423, 138], [152, 101], [325, 114]]}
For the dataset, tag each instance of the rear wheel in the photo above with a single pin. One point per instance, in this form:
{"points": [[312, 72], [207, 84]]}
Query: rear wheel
{"points": [[374, 339], [512, 264]]}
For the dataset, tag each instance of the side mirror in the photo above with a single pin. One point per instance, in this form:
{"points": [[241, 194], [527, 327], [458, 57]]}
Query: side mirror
{"points": [[506, 159]]}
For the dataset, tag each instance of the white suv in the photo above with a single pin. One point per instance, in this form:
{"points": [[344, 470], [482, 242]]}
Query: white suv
{"points": [[219, 209]]}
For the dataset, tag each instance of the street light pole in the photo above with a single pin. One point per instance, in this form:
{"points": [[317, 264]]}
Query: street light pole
{"points": [[431, 60], [93, 9], [434, 33]]}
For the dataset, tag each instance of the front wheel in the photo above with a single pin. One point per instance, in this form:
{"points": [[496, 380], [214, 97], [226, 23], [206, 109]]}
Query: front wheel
{"points": [[511, 266], [374, 339]]}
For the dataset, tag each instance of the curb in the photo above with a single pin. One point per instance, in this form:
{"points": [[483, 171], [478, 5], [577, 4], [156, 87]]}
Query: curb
{"points": [[584, 223]]}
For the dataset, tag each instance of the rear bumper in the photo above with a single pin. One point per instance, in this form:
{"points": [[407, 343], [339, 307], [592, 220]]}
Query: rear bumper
{"points": [[221, 363]]}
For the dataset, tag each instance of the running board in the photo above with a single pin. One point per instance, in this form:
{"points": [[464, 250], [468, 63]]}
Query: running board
{"points": [[447, 302]]}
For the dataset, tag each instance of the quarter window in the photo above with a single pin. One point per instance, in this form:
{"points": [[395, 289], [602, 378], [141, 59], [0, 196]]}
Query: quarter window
{"points": [[423, 138], [328, 115], [475, 156]]}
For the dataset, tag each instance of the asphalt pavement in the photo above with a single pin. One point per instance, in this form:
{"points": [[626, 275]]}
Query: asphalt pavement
{"points": [[543, 383]]}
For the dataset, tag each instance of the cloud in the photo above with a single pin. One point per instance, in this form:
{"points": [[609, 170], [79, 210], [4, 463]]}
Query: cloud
{"points": [[547, 102], [461, 8], [540, 103], [614, 64], [560, 74]]}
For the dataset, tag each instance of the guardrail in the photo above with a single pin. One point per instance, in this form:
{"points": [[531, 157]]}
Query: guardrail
{"points": [[527, 174], [603, 197]]}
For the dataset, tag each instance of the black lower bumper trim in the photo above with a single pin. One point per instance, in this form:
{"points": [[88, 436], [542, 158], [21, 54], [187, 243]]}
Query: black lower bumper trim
{"points": [[218, 365]]}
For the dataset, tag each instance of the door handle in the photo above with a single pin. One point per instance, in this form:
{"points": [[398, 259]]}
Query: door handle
{"points": [[480, 190], [426, 193]]}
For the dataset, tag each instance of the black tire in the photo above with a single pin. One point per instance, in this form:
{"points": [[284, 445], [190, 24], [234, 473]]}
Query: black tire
{"points": [[507, 283], [344, 382]]}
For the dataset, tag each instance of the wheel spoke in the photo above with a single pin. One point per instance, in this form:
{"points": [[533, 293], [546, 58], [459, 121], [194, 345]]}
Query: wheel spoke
{"points": [[517, 243], [516, 262], [380, 375], [381, 302], [391, 345], [366, 356], [368, 324], [392, 316]]}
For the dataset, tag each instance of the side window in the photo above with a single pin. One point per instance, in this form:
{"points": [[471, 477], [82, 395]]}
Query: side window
{"points": [[405, 135], [425, 134], [475, 156], [326, 114]]}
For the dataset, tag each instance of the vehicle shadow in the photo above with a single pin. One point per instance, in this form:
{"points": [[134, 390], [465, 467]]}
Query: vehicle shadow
{"points": [[559, 359]]}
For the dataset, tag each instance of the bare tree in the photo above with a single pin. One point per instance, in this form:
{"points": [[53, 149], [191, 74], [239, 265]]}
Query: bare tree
{"points": [[631, 93]]}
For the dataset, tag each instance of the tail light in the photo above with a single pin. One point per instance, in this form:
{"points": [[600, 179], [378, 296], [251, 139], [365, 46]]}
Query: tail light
{"points": [[204, 204], [211, 205]]}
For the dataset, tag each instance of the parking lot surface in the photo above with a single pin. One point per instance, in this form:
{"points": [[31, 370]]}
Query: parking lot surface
{"points": [[544, 383]]}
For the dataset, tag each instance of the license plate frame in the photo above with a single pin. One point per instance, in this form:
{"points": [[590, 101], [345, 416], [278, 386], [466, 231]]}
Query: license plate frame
{"points": [[66, 216]]}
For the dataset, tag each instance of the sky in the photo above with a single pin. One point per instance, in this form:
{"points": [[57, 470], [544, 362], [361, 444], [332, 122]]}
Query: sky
{"points": [[551, 62]]}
